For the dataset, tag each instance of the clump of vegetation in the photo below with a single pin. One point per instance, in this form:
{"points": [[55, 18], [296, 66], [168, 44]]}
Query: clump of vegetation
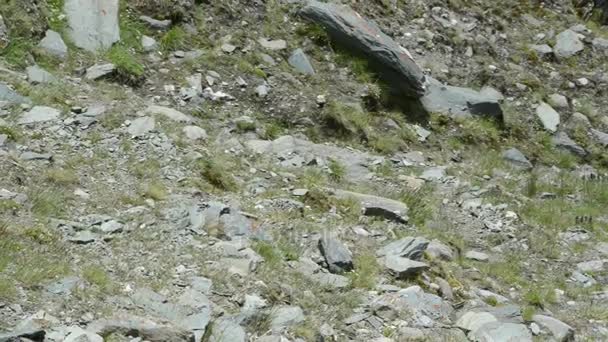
{"points": [[61, 176], [337, 171], [97, 276], [479, 132], [128, 68], [366, 271], [218, 173], [155, 190], [174, 39], [420, 203], [345, 120]]}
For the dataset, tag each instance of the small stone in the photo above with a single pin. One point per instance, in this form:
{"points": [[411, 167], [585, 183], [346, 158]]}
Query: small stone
{"points": [[149, 43], [542, 50], [337, 255], [83, 237], [477, 256], [403, 267], [548, 117], [36, 74], [582, 82], [169, 113], [261, 91], [558, 101], [195, 133], [228, 48], [515, 157], [53, 44], [154, 23], [299, 192], [141, 126], [273, 45], [568, 44], [286, 316], [561, 331], [99, 70], [39, 114], [299, 61], [36, 156]]}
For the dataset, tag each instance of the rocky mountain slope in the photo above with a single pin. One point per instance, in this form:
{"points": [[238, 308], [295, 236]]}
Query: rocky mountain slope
{"points": [[284, 170]]}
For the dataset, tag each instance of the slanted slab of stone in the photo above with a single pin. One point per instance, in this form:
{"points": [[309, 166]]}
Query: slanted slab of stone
{"points": [[169, 113], [499, 331], [338, 256], [409, 247], [393, 62], [561, 331], [298, 152], [145, 328], [53, 44], [567, 44], [403, 267], [92, 24], [548, 117], [39, 114], [377, 206], [460, 102], [11, 96]]}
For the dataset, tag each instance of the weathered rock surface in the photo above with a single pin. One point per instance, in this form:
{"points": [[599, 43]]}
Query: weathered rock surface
{"points": [[409, 247], [53, 44], [337, 255], [39, 114], [377, 206], [568, 44], [92, 24], [348, 28], [548, 117]]}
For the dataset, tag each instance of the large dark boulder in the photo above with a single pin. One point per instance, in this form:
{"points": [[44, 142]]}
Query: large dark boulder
{"points": [[347, 28]]}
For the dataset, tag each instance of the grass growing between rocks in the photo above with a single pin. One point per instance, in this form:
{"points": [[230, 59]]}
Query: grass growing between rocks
{"points": [[366, 271], [127, 65], [28, 260]]}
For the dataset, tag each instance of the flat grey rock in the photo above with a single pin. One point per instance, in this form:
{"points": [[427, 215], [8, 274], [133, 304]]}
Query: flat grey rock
{"points": [[418, 302], [436, 173], [549, 118], [541, 49], [600, 137], [63, 286], [99, 70], [562, 141], [459, 102], [561, 331], [53, 44], [516, 158], [28, 155], [295, 152], [403, 268], [393, 63], [141, 126], [226, 330], [143, 327], [77, 334], [169, 113], [567, 44], [39, 114], [600, 43], [11, 96], [36, 74], [285, 316], [477, 256], [83, 237], [338, 257], [409, 247], [92, 24], [472, 321], [437, 249], [273, 45], [194, 133], [558, 101], [377, 206], [154, 23], [300, 62], [501, 332], [148, 43]]}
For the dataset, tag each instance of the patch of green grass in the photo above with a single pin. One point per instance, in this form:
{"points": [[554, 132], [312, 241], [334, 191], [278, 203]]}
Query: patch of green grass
{"points": [[528, 312], [174, 39], [49, 202], [97, 276], [271, 131], [476, 131], [61, 176], [386, 143], [127, 64], [7, 289], [491, 301], [112, 120], [337, 171], [366, 271], [156, 191], [52, 94], [247, 67], [539, 297], [40, 235], [421, 204], [8, 206], [347, 121], [243, 126], [357, 65], [218, 173], [146, 169], [17, 53], [268, 252], [11, 132], [273, 19], [314, 32]]}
